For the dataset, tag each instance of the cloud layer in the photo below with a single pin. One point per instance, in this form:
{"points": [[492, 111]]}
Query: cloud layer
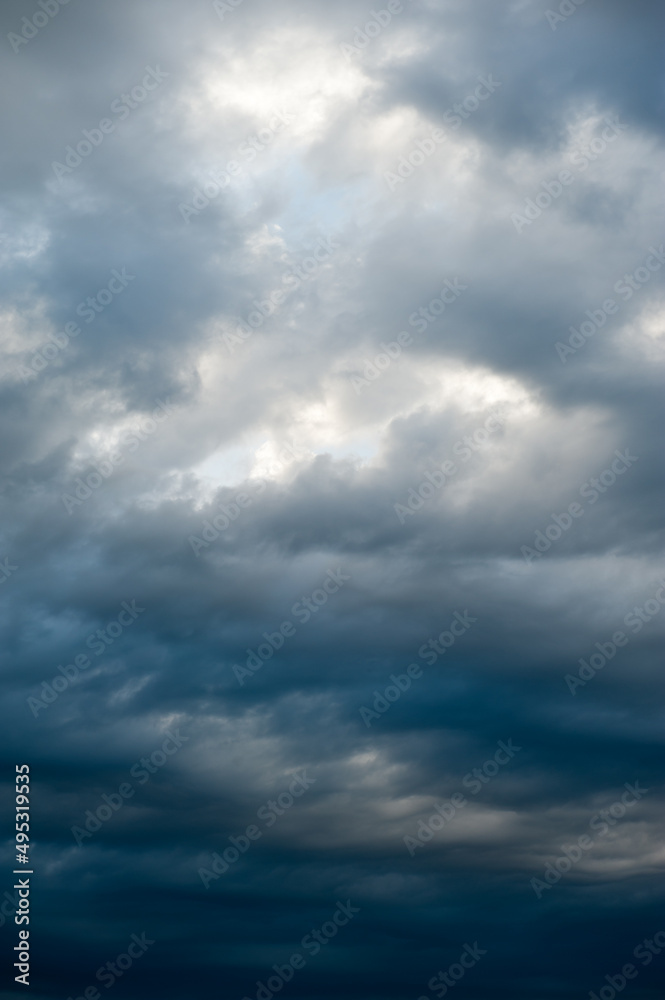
{"points": [[332, 376]]}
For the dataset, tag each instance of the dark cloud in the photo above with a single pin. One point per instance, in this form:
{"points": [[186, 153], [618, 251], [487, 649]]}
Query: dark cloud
{"points": [[279, 391]]}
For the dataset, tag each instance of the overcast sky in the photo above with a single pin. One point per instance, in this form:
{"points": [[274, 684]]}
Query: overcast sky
{"points": [[331, 471]]}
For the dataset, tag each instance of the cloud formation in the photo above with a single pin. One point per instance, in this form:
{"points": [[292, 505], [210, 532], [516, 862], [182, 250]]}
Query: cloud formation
{"points": [[299, 297]]}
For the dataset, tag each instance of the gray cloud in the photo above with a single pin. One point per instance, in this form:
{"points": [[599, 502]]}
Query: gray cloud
{"points": [[165, 420]]}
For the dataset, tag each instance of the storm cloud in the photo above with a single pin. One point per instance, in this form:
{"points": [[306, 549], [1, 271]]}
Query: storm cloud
{"points": [[331, 486]]}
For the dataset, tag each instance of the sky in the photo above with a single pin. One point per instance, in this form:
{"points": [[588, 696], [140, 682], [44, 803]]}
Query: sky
{"points": [[331, 555]]}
